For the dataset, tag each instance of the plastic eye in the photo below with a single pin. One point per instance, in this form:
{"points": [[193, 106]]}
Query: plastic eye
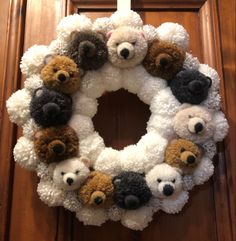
{"points": [[182, 149], [173, 180], [62, 173], [189, 116], [117, 44], [55, 70], [159, 180], [133, 43], [71, 74], [77, 172]]}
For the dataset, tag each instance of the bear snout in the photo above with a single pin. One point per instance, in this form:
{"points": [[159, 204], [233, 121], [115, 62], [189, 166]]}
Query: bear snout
{"points": [[51, 109], [97, 198], [168, 190], [125, 50], [62, 76], [131, 202], [196, 125], [57, 147], [87, 49], [164, 61]]}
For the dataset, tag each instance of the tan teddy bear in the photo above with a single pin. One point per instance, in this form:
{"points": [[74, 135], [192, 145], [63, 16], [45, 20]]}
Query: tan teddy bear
{"points": [[97, 190], [183, 154]]}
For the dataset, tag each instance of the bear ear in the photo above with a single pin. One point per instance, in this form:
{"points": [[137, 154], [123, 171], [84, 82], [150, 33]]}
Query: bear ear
{"points": [[38, 134], [101, 35], [73, 35], [108, 35], [48, 58], [38, 92], [184, 106], [51, 168], [143, 35], [173, 141], [85, 160], [178, 170], [210, 81], [116, 181]]}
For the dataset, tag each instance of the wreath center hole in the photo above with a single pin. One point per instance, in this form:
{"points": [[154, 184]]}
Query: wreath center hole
{"points": [[121, 118]]}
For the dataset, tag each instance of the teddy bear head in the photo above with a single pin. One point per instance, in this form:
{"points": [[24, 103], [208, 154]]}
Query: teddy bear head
{"points": [[50, 108], [130, 190], [183, 154], [71, 173], [88, 49], [56, 143], [97, 190], [190, 86], [163, 59], [127, 47], [194, 123], [164, 181], [61, 73]]}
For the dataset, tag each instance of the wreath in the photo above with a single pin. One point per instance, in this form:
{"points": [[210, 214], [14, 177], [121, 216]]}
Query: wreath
{"points": [[59, 99]]}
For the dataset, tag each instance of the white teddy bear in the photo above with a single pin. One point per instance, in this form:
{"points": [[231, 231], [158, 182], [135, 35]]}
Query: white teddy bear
{"points": [[71, 173], [199, 124], [127, 46], [165, 183]]}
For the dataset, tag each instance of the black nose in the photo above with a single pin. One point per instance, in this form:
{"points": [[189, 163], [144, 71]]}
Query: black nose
{"points": [[131, 202], [198, 127], [98, 200], [69, 181], [58, 148], [62, 77], [168, 190], [164, 62], [195, 86], [51, 109], [191, 159], [124, 53]]}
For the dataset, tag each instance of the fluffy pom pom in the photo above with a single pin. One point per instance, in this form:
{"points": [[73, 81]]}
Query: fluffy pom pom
{"points": [[29, 128], [33, 82], [115, 213], [174, 33], [24, 153], [150, 32], [33, 59], [221, 126], [190, 62], [71, 202], [102, 25], [18, 106]]}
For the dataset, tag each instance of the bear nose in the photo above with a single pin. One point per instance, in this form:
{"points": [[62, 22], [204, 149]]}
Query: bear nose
{"points": [[58, 148], [191, 159], [168, 190], [51, 109], [62, 77], [195, 86], [87, 48], [69, 181], [198, 127], [131, 202], [98, 200], [124, 53]]}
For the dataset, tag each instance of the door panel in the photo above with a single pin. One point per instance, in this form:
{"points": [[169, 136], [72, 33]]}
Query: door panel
{"points": [[211, 207]]}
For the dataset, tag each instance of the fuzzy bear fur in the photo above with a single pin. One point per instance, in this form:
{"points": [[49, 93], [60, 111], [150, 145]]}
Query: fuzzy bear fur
{"points": [[190, 86], [56, 143], [163, 59], [50, 108], [61, 74], [71, 173], [127, 47], [130, 190], [199, 124], [97, 190], [88, 49], [183, 154]]}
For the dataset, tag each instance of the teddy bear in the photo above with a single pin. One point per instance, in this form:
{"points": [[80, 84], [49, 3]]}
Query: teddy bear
{"points": [[183, 154], [199, 124], [127, 46], [165, 183], [163, 59], [55, 143], [88, 49], [130, 190], [60, 73], [97, 189], [50, 108], [71, 173], [190, 86]]}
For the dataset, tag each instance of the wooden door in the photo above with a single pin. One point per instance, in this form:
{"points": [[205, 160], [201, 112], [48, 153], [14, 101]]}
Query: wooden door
{"points": [[210, 214]]}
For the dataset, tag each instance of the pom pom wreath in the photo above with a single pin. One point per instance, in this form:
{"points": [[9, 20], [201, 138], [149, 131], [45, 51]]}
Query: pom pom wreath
{"points": [[50, 108], [55, 109], [88, 49], [174, 33], [18, 107]]}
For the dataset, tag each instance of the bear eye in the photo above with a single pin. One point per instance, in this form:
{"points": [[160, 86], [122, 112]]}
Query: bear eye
{"points": [[173, 180], [189, 116], [77, 172], [62, 173], [133, 43], [117, 44], [159, 180], [55, 70], [71, 74], [182, 149]]}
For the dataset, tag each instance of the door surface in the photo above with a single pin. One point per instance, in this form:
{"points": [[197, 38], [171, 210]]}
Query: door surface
{"points": [[211, 211]]}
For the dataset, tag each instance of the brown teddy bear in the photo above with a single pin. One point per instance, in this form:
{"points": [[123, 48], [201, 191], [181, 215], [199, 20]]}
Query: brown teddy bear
{"points": [[183, 154], [97, 190], [56, 143], [61, 74], [163, 59]]}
